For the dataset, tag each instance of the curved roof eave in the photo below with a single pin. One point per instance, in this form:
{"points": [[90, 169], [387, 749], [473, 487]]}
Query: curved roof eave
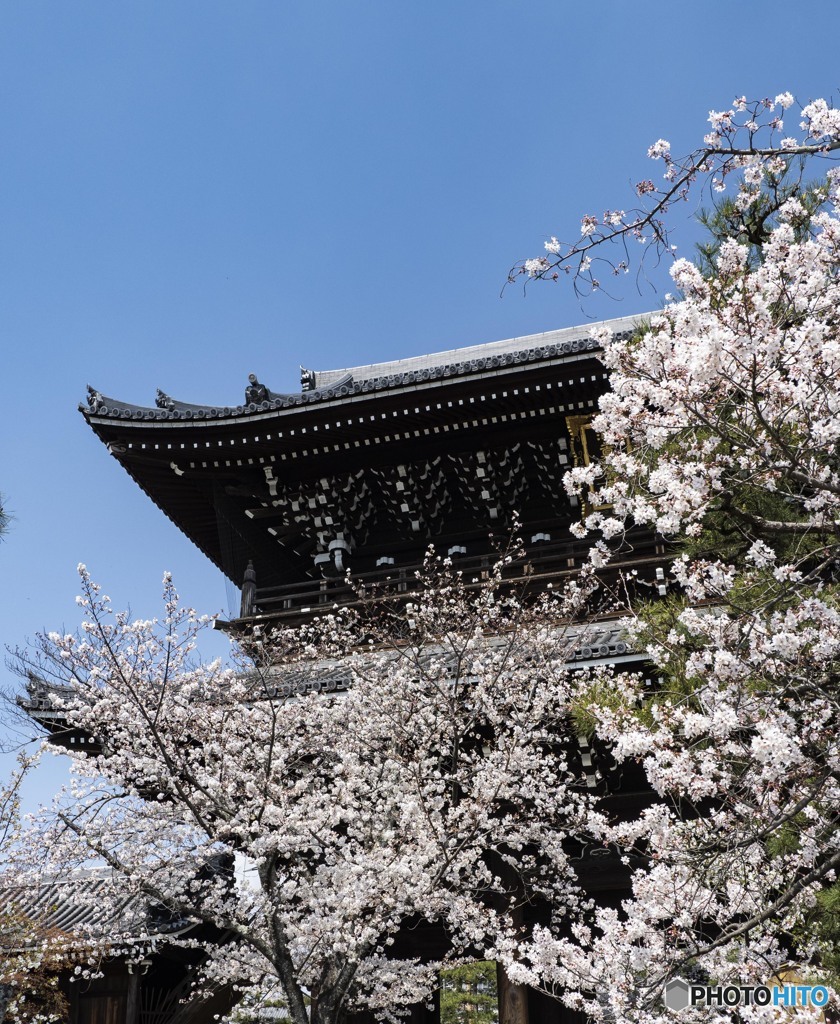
{"points": [[345, 384]]}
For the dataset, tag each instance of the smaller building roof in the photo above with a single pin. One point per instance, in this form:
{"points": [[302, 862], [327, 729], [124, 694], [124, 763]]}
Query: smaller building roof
{"points": [[87, 901], [88, 904]]}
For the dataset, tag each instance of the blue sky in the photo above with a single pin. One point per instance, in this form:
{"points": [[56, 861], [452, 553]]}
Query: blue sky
{"points": [[193, 190]]}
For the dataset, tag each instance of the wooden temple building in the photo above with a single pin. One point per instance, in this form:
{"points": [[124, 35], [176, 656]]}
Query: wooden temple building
{"points": [[365, 467], [133, 969]]}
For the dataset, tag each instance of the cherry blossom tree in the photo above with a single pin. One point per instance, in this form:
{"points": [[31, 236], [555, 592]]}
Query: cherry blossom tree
{"points": [[721, 431], [406, 771]]}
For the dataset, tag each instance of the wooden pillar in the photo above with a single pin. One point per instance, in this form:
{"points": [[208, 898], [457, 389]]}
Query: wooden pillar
{"points": [[513, 999], [249, 592], [132, 1006]]}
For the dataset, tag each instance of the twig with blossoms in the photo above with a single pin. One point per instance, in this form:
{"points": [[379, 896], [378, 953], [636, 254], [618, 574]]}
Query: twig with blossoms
{"points": [[747, 142]]}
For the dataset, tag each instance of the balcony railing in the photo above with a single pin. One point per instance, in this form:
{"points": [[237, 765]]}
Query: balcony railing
{"points": [[543, 563]]}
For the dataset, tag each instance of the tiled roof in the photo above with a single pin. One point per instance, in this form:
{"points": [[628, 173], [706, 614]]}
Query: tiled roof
{"points": [[325, 385], [89, 903], [85, 901]]}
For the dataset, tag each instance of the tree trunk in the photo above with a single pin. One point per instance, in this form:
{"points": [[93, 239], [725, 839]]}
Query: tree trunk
{"points": [[324, 1010]]}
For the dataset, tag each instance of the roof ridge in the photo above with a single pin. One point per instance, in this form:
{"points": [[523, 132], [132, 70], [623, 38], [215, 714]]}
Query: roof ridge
{"points": [[526, 342]]}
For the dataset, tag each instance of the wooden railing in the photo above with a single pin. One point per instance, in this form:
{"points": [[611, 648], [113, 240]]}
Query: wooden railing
{"points": [[542, 564]]}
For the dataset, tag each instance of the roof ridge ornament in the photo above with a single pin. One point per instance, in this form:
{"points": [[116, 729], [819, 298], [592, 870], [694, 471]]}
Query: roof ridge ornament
{"points": [[163, 401], [256, 393]]}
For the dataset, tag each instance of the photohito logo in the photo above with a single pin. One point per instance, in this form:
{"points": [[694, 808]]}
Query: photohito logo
{"points": [[680, 994]]}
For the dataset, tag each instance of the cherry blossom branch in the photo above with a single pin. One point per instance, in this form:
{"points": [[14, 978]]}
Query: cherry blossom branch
{"points": [[746, 142]]}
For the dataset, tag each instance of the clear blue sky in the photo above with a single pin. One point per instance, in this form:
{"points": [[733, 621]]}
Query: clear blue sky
{"points": [[193, 190]]}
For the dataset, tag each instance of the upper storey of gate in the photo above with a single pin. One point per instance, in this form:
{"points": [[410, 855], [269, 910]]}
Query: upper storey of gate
{"points": [[365, 466]]}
